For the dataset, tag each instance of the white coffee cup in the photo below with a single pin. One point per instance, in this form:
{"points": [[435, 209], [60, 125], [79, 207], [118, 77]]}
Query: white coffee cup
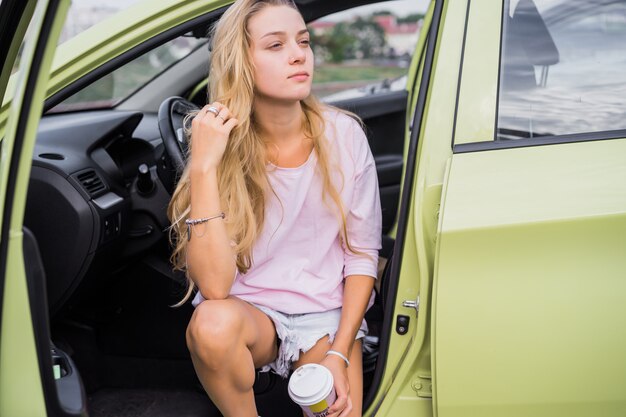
{"points": [[311, 387]]}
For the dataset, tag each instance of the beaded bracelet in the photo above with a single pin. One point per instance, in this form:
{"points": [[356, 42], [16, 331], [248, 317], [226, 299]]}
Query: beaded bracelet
{"points": [[341, 355], [193, 222]]}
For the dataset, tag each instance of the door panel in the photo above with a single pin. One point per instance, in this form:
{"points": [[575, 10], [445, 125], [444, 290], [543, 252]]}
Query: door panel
{"points": [[530, 295], [57, 366], [18, 358]]}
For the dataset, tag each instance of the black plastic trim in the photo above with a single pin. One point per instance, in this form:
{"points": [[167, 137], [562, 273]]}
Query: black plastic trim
{"points": [[77, 136], [505, 4], [128, 56], [315, 9], [540, 141], [10, 16], [374, 105], [66, 396], [396, 259], [458, 85], [389, 169]]}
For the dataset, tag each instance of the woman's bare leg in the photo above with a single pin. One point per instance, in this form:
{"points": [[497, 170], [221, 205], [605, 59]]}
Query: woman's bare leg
{"points": [[227, 340], [355, 370]]}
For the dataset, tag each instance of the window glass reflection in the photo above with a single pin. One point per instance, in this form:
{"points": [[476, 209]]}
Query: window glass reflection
{"points": [[563, 68]]}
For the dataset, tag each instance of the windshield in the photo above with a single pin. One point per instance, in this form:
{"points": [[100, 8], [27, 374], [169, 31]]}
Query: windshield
{"points": [[116, 86], [84, 14]]}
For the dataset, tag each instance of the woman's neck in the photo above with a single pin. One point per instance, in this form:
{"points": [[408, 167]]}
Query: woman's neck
{"points": [[279, 123]]}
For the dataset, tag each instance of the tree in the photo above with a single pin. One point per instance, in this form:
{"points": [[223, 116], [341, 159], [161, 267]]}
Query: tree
{"points": [[363, 38], [411, 18], [370, 37], [338, 42]]}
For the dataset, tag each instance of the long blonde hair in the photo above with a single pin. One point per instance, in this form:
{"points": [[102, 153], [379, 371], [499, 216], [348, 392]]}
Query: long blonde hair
{"points": [[242, 173]]}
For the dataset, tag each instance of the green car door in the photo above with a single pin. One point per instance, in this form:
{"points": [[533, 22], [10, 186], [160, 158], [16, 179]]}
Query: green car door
{"points": [[529, 298], [29, 32]]}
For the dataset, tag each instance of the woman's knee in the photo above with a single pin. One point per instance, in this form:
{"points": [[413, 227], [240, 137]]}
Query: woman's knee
{"points": [[215, 328]]}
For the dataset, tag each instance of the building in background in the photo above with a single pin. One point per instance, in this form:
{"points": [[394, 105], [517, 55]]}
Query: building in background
{"points": [[401, 37]]}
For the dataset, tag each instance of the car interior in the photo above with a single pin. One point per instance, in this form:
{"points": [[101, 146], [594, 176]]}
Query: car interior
{"points": [[96, 234]]}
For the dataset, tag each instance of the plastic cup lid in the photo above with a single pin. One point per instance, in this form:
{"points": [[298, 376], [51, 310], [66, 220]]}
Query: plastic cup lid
{"points": [[310, 384]]}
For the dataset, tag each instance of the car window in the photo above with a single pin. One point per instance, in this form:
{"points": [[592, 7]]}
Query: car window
{"points": [[84, 14], [116, 86], [366, 50], [563, 68]]}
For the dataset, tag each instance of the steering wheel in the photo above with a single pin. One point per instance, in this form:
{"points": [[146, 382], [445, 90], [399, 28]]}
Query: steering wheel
{"points": [[171, 117]]}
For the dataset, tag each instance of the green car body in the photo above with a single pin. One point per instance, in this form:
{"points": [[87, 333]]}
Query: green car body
{"points": [[516, 255]]}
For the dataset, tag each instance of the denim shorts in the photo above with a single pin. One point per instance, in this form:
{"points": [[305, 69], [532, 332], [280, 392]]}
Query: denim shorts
{"points": [[300, 332]]}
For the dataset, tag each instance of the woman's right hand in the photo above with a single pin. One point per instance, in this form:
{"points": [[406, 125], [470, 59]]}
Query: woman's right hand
{"points": [[209, 136]]}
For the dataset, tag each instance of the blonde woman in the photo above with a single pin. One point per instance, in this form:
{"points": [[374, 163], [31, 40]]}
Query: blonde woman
{"points": [[276, 218]]}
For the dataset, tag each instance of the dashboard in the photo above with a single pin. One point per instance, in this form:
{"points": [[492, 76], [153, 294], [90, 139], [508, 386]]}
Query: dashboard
{"points": [[96, 195]]}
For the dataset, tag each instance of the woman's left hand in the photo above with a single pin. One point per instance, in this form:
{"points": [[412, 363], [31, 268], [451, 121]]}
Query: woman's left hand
{"points": [[343, 405]]}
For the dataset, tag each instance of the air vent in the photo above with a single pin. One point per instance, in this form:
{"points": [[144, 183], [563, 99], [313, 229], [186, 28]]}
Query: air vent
{"points": [[91, 182]]}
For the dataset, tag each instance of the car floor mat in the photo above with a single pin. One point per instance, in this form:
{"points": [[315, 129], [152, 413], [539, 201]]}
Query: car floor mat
{"points": [[111, 402]]}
